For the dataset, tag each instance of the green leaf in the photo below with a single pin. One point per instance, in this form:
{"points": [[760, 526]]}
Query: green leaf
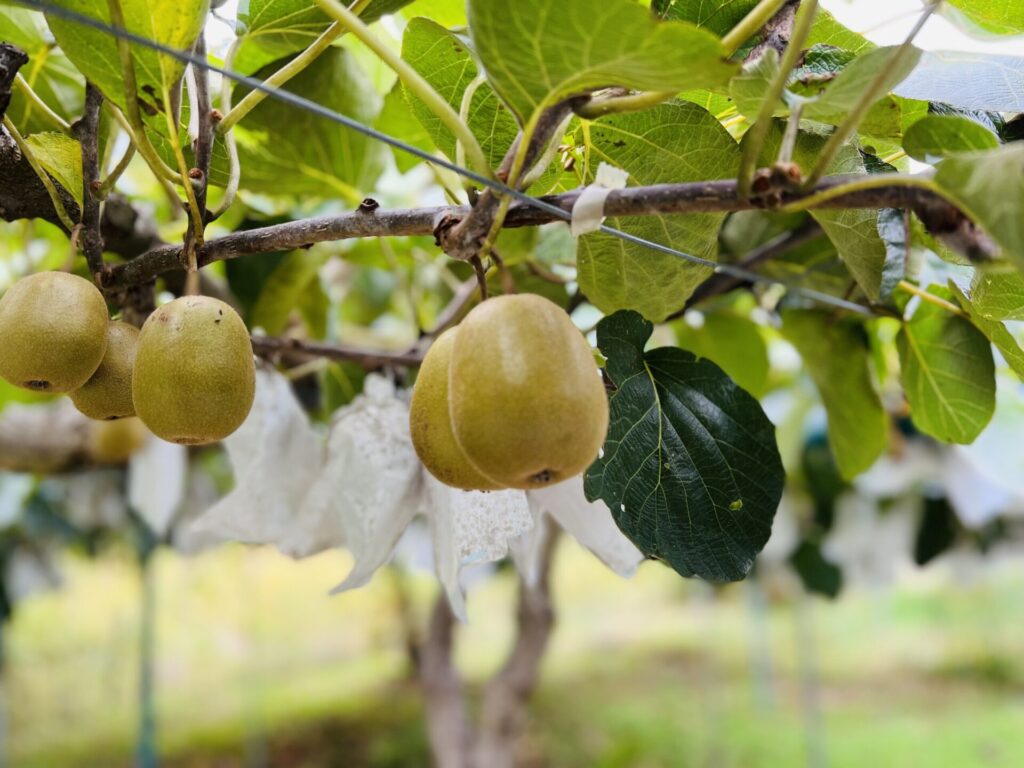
{"points": [[718, 16], [854, 232], [673, 142], [969, 80], [173, 23], [285, 287], [274, 29], [817, 574], [948, 373], [1002, 17], [936, 532], [61, 156], [989, 187], [998, 295], [289, 151], [829, 84], [396, 119], [937, 136], [835, 354], [690, 468], [827, 31], [444, 60], [732, 342], [994, 331], [51, 75], [537, 53]]}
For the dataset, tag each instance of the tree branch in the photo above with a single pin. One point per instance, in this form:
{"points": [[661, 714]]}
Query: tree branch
{"points": [[447, 724], [504, 709], [11, 60], [941, 217], [86, 130], [268, 346]]}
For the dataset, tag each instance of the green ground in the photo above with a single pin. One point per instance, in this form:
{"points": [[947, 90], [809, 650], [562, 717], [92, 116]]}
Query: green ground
{"points": [[258, 667]]}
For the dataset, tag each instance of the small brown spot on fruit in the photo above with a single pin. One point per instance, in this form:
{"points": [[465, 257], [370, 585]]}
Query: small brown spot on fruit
{"points": [[38, 386]]}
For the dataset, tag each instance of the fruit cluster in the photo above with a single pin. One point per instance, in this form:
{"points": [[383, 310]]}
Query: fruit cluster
{"points": [[188, 375], [511, 398]]}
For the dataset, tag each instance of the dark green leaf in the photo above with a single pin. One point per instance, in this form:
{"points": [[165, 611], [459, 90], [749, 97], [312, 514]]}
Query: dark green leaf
{"points": [[673, 142], [690, 468], [816, 573], [835, 354], [289, 151], [936, 532], [537, 53], [948, 373], [718, 16]]}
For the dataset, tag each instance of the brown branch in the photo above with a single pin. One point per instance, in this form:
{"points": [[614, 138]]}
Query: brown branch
{"points": [[694, 197], [447, 724], [269, 347], [203, 145], [86, 130], [503, 713], [776, 33], [11, 60]]}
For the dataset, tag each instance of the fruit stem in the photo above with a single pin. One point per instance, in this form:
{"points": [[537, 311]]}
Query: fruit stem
{"points": [[931, 298]]}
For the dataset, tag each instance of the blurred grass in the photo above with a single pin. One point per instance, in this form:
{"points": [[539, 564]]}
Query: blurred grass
{"points": [[258, 666]]}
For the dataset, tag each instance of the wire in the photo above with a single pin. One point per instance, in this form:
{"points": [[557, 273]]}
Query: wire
{"points": [[187, 57]]}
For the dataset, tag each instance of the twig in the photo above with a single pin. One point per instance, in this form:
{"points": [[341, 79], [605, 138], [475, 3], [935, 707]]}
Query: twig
{"points": [[868, 97], [268, 346], [693, 197], [447, 724], [931, 298], [87, 131], [481, 276]]}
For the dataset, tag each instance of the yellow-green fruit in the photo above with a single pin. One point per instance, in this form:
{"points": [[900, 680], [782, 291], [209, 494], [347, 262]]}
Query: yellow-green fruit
{"points": [[527, 403], [431, 426], [114, 442], [194, 377], [53, 332], [108, 394]]}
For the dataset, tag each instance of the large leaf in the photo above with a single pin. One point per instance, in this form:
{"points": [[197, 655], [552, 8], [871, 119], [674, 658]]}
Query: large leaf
{"points": [[718, 16], [732, 342], [273, 29], [61, 156], [948, 373], [173, 23], [289, 151], [537, 53], [969, 80], [989, 187], [50, 73], [994, 331], [829, 84], [444, 60], [673, 142], [937, 136], [854, 232], [1002, 17], [690, 468], [835, 354], [998, 295]]}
